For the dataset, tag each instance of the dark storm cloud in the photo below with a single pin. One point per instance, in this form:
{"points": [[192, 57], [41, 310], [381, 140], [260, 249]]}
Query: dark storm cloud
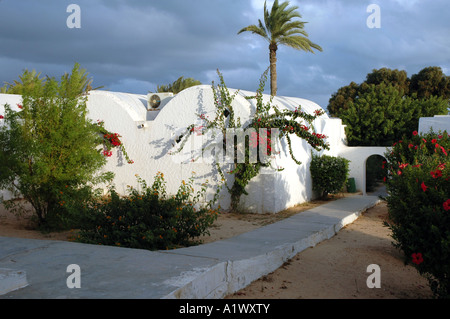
{"points": [[135, 45]]}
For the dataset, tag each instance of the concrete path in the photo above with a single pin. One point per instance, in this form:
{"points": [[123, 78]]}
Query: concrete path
{"points": [[39, 268]]}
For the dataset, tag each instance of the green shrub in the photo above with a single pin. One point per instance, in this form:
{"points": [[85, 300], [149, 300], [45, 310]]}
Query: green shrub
{"points": [[329, 174], [48, 149], [148, 219], [418, 185]]}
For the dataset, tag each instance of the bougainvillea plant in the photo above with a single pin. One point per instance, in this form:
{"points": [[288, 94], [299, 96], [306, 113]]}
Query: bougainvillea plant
{"points": [[110, 141], [275, 124]]}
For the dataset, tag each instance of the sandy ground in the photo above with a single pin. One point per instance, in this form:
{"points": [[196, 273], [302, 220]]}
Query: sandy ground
{"points": [[336, 268]]}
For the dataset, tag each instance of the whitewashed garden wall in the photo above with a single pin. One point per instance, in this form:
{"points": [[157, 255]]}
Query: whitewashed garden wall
{"points": [[150, 137]]}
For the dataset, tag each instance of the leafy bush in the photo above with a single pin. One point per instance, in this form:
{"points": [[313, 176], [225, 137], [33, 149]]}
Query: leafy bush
{"points": [[329, 174], [418, 184], [148, 219], [48, 152]]}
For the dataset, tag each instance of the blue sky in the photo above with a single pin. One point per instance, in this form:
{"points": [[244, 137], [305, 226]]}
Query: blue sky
{"points": [[135, 45]]}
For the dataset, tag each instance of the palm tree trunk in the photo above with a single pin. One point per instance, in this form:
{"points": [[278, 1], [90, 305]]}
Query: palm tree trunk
{"points": [[273, 68]]}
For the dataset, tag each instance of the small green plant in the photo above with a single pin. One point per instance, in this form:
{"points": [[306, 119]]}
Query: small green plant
{"points": [[150, 218], [418, 184], [329, 174]]}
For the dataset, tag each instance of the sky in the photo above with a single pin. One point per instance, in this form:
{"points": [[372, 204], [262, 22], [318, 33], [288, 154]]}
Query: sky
{"points": [[135, 45]]}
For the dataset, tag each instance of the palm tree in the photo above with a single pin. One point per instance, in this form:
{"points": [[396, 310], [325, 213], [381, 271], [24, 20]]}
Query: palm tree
{"points": [[280, 28]]}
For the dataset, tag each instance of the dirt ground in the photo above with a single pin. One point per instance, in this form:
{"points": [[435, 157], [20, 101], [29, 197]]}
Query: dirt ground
{"points": [[335, 268]]}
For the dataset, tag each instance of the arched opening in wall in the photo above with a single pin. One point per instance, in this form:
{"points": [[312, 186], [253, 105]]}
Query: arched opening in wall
{"points": [[374, 174]]}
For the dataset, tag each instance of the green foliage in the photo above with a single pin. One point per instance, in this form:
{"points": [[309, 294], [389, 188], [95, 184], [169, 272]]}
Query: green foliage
{"points": [[381, 115], [396, 78], [418, 185], [149, 218], [48, 151], [329, 174], [388, 104], [431, 81], [179, 85], [280, 27], [266, 116], [28, 81]]}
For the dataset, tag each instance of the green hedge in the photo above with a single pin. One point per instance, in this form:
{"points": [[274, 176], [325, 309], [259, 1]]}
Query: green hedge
{"points": [[329, 174]]}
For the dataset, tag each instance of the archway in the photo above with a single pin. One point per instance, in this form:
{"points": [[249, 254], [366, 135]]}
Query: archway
{"points": [[373, 174], [358, 156]]}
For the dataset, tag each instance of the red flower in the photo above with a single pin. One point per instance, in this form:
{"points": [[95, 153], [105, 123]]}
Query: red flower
{"points": [[107, 153], [424, 187], [417, 258], [415, 133], [433, 141], [19, 106], [446, 205], [1, 117], [437, 173]]}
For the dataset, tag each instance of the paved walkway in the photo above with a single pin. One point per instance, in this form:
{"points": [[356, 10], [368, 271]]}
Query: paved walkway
{"points": [[211, 270]]}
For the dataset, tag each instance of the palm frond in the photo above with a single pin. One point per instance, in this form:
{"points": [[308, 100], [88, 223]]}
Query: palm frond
{"points": [[259, 30], [299, 43]]}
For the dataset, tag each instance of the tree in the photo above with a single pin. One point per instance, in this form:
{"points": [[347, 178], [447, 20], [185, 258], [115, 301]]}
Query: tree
{"points": [[280, 28], [27, 82], [382, 115], [179, 85], [396, 78], [373, 118], [431, 81], [48, 149], [340, 100], [30, 79]]}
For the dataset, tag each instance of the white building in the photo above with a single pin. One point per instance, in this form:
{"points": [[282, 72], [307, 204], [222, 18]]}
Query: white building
{"points": [[150, 132]]}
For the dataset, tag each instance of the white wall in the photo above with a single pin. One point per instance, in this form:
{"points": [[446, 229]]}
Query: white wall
{"points": [[150, 146], [358, 156]]}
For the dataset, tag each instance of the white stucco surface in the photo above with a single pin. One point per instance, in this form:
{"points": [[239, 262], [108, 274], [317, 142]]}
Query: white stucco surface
{"points": [[150, 137]]}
